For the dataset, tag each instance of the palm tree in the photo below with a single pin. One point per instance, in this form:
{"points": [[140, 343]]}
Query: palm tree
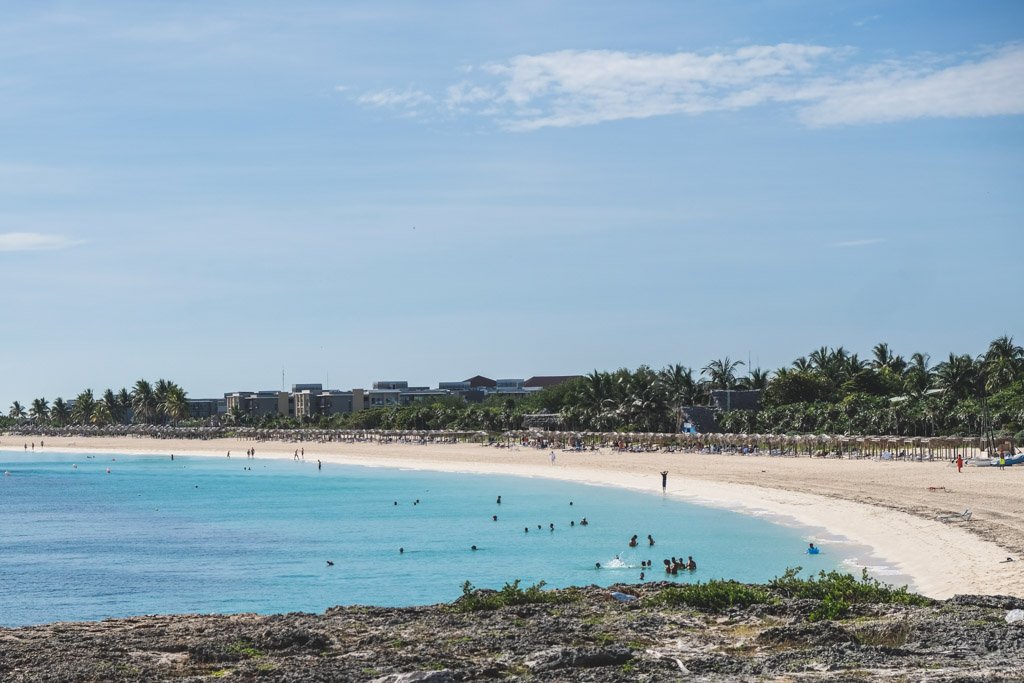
{"points": [[124, 406], [161, 390], [884, 358], [1003, 363], [680, 389], [40, 410], [112, 406], [959, 376], [721, 373], [59, 413], [821, 360], [143, 402], [101, 414], [597, 398], [756, 379], [17, 411], [175, 405], [85, 406], [918, 377]]}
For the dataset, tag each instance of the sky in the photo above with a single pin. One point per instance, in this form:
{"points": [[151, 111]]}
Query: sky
{"points": [[344, 192]]}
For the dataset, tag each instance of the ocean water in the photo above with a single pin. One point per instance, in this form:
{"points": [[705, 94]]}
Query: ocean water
{"points": [[157, 536]]}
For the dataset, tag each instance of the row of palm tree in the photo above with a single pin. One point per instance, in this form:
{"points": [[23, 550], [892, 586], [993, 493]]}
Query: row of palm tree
{"points": [[828, 390], [158, 403]]}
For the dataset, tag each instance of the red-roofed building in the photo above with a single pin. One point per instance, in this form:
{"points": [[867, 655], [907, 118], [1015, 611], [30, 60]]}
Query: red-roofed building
{"points": [[545, 381]]}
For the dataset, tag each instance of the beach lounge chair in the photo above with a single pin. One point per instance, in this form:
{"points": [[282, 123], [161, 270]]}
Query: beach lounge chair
{"points": [[964, 516]]}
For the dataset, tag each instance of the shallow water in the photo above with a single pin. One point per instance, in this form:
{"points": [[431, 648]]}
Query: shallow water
{"points": [[208, 535]]}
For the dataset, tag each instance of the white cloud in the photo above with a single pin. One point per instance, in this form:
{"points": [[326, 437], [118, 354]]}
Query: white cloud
{"points": [[395, 99], [990, 87], [859, 243], [33, 241], [585, 87]]}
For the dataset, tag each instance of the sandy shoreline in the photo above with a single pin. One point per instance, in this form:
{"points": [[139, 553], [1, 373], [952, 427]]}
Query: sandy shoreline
{"points": [[890, 507]]}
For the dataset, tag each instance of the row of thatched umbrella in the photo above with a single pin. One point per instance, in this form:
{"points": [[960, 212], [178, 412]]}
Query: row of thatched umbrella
{"points": [[791, 444]]}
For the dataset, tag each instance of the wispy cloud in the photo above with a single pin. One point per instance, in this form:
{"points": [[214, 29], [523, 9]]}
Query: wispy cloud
{"points": [[407, 101], [586, 87], [858, 243], [988, 87], [34, 241]]}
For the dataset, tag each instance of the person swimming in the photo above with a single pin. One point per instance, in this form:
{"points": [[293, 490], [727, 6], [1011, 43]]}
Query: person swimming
{"points": [[401, 551], [499, 500], [632, 541], [329, 563], [597, 565], [472, 547], [650, 540], [494, 517], [584, 522]]}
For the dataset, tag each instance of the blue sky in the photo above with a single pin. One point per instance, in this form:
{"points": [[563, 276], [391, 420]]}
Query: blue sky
{"points": [[214, 192]]}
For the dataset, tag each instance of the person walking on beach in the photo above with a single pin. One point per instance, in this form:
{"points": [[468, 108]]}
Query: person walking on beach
{"points": [[959, 463], [552, 457], [664, 479]]}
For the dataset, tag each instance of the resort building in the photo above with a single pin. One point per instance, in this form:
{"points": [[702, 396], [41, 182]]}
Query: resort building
{"points": [[257, 404], [205, 408], [312, 400], [545, 381], [317, 402]]}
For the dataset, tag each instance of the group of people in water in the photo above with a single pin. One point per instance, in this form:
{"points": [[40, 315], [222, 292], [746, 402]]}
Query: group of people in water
{"points": [[673, 565]]}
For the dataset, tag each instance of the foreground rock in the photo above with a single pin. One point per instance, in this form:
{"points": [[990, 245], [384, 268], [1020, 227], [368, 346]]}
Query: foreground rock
{"points": [[591, 637]]}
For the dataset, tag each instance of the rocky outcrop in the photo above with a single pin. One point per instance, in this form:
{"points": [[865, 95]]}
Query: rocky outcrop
{"points": [[589, 637]]}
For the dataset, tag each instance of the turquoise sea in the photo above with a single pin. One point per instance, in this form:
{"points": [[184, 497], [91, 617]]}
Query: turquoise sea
{"points": [[209, 535]]}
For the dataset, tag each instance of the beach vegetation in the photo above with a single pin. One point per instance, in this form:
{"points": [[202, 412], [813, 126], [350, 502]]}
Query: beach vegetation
{"points": [[511, 594], [714, 596], [246, 649], [839, 592]]}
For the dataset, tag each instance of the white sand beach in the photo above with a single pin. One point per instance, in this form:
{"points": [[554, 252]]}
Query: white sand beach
{"points": [[894, 508]]}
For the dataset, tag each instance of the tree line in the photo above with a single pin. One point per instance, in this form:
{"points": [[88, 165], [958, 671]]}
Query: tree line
{"points": [[161, 402], [829, 390]]}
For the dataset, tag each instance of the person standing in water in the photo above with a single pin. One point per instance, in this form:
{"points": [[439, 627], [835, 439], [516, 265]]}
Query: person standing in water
{"points": [[664, 480]]}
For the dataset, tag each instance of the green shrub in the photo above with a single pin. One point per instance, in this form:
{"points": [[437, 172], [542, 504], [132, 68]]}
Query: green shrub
{"points": [[473, 600], [715, 595], [839, 592]]}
